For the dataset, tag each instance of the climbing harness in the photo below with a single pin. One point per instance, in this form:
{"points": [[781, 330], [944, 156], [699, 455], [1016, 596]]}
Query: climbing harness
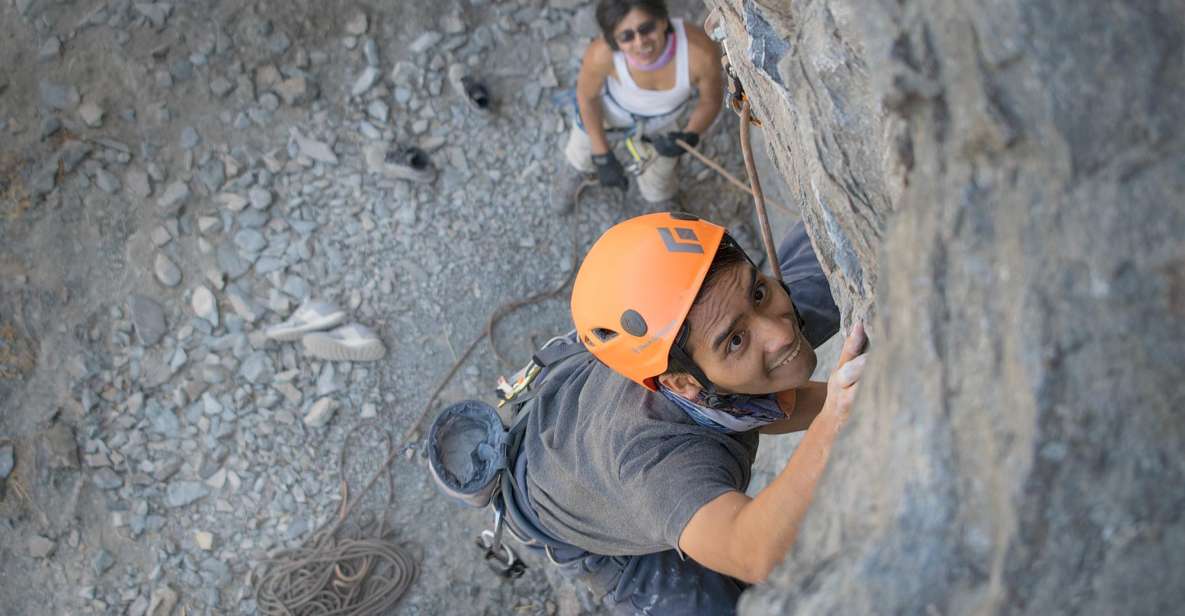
{"points": [[642, 154]]}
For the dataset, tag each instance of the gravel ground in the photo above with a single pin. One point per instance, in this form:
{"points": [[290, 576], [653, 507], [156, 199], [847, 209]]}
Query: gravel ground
{"points": [[174, 179]]}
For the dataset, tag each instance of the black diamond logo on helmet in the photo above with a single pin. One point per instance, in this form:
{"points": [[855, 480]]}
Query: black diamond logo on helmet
{"points": [[686, 242]]}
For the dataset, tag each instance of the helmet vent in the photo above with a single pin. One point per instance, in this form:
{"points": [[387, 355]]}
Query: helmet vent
{"points": [[633, 323], [604, 335]]}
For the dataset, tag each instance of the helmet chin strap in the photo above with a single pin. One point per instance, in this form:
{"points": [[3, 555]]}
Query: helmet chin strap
{"points": [[712, 397]]}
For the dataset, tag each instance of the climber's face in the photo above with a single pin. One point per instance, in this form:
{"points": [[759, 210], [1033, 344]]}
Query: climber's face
{"points": [[641, 36], [744, 335]]}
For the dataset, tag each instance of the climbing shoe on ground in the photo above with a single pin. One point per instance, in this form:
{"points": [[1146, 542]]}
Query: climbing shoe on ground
{"points": [[400, 163], [351, 342], [475, 93], [311, 316], [565, 185]]}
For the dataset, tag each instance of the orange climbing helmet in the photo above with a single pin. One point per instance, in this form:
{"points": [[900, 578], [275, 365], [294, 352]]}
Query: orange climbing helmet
{"points": [[636, 286]]}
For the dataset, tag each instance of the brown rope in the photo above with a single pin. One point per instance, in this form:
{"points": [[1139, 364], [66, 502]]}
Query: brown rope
{"points": [[732, 179], [331, 574], [767, 237]]}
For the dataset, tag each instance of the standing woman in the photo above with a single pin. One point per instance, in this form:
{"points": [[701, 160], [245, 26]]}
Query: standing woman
{"points": [[636, 79]]}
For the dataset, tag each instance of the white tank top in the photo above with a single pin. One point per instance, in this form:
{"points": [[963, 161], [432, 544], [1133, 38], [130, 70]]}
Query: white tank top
{"points": [[625, 94]]}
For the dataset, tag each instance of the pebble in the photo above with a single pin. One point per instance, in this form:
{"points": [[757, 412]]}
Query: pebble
{"points": [[102, 562], [59, 96], [378, 110], [369, 131], [295, 90], [244, 305], [320, 413], [106, 181], [204, 540], [182, 493], [137, 183], [357, 24], [250, 240], [229, 261], [190, 138], [452, 24], [233, 202], [425, 42], [175, 195], [91, 114], [41, 547], [50, 50], [370, 50], [209, 224], [221, 86], [204, 305], [365, 81], [257, 368], [7, 461], [167, 272], [156, 13], [106, 479], [148, 319], [160, 236], [316, 150], [260, 198]]}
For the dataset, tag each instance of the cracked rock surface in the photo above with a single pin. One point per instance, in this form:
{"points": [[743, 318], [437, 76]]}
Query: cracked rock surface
{"points": [[177, 177]]}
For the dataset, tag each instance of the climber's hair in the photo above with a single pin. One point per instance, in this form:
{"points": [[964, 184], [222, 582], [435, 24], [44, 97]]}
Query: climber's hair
{"points": [[611, 12]]}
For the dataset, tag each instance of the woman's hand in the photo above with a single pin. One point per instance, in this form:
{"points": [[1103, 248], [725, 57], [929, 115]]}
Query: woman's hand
{"points": [[841, 387]]}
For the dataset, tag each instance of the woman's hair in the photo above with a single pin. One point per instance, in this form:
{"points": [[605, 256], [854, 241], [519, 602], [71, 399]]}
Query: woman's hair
{"points": [[728, 255], [611, 12]]}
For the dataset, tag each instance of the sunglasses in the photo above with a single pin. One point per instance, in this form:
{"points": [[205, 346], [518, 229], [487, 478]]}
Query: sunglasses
{"points": [[644, 28]]}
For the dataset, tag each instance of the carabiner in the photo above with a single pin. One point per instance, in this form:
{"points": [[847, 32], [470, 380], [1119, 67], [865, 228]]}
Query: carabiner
{"points": [[506, 564]]}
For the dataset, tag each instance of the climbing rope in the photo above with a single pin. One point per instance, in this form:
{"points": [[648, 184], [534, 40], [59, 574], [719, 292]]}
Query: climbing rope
{"points": [[356, 571]]}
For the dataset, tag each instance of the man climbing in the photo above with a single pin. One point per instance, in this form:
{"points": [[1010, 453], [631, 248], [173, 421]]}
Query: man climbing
{"points": [[630, 471], [635, 80]]}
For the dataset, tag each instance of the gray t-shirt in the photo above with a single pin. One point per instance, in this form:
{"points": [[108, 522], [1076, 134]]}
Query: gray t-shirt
{"points": [[616, 469]]}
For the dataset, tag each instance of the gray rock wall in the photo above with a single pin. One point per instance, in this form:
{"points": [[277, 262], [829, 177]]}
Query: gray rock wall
{"points": [[1000, 188]]}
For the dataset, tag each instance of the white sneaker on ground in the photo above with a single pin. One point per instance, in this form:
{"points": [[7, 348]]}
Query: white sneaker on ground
{"points": [[313, 315], [351, 342]]}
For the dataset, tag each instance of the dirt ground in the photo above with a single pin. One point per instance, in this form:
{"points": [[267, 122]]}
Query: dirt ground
{"points": [[151, 153]]}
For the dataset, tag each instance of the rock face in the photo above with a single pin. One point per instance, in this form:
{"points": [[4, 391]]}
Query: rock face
{"points": [[997, 186]]}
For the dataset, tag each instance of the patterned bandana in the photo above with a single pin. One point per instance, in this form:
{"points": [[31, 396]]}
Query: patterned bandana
{"points": [[744, 413]]}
